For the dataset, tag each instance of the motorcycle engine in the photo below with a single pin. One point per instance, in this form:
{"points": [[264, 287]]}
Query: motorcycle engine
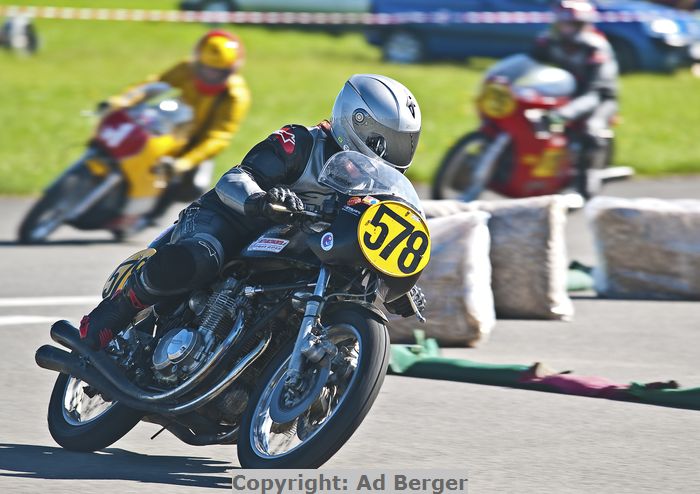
{"points": [[182, 350], [179, 353]]}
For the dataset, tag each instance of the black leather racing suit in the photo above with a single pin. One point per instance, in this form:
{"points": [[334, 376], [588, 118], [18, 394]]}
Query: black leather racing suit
{"points": [[214, 228], [591, 60]]}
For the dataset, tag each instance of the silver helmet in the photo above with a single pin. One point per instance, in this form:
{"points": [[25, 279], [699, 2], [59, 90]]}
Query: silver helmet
{"points": [[377, 116]]}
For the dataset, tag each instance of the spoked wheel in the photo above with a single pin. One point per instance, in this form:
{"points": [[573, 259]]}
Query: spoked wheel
{"points": [[310, 439], [54, 208], [80, 419], [455, 178]]}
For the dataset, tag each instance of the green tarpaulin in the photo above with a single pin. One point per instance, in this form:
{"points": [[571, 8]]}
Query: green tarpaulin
{"points": [[423, 360]]}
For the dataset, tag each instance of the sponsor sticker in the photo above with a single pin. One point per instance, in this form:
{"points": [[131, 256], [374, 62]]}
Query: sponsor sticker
{"points": [[370, 200], [354, 200], [327, 241], [350, 210], [267, 244]]}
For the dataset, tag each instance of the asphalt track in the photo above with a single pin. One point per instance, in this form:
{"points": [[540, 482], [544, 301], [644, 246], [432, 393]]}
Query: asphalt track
{"points": [[507, 440]]}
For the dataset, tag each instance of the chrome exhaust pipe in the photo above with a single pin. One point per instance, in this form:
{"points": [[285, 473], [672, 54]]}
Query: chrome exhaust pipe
{"points": [[67, 335], [55, 359]]}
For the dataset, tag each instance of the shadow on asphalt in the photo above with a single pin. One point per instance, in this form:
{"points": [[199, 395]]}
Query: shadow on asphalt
{"points": [[45, 462], [14, 243]]}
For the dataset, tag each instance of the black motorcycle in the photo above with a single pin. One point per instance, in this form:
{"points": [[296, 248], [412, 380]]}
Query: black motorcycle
{"points": [[283, 355]]}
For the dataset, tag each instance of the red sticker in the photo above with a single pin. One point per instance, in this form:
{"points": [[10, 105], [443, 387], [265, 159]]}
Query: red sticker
{"points": [[286, 138], [354, 200]]}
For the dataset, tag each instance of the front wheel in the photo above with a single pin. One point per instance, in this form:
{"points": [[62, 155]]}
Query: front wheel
{"points": [[81, 420], [308, 441], [455, 178]]}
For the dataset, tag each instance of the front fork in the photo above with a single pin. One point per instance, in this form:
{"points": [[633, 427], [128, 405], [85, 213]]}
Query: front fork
{"points": [[308, 345], [485, 167]]}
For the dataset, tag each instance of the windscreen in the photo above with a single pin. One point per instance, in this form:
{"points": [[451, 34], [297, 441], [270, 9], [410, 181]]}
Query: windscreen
{"points": [[525, 73], [354, 174], [162, 116]]}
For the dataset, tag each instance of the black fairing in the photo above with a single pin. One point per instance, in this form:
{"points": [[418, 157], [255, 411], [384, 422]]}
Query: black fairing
{"points": [[346, 250], [163, 238], [295, 253], [305, 248]]}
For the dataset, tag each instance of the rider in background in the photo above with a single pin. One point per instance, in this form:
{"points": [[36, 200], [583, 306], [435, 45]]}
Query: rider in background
{"points": [[211, 84], [573, 44]]}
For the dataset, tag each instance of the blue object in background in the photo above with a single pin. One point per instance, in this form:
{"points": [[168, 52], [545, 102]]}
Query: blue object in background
{"points": [[668, 40]]}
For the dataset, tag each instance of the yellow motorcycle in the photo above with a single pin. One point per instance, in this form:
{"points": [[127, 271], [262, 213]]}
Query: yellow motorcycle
{"points": [[115, 183]]}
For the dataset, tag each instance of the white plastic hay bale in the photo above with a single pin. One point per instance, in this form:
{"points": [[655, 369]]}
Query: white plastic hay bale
{"points": [[528, 254], [456, 283], [440, 208], [646, 248]]}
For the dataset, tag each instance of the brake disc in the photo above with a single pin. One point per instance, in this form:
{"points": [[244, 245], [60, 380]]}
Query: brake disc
{"points": [[313, 381]]}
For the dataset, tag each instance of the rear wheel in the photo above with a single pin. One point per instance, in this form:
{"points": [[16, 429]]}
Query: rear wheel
{"points": [[455, 176], [80, 419], [54, 207], [308, 441]]}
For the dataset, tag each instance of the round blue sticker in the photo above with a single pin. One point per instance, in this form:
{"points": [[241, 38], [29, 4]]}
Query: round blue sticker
{"points": [[327, 241]]}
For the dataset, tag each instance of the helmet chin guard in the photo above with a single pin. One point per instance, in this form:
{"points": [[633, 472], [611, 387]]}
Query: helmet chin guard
{"points": [[378, 117]]}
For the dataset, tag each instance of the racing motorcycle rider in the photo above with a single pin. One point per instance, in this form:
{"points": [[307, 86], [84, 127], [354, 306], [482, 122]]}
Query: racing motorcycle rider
{"points": [[374, 115], [211, 84], [574, 45]]}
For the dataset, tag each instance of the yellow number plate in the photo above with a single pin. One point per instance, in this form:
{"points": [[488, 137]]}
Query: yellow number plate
{"points": [[496, 100], [121, 274], [394, 239]]}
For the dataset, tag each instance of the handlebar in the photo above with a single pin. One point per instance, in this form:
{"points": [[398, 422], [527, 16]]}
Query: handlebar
{"points": [[305, 213]]}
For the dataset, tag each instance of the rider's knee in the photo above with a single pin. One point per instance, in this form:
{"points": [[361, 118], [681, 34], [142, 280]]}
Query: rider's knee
{"points": [[183, 265]]}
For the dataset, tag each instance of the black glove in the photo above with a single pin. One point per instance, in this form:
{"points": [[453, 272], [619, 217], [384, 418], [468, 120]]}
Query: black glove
{"points": [[268, 204], [403, 307], [166, 169], [554, 121], [549, 123]]}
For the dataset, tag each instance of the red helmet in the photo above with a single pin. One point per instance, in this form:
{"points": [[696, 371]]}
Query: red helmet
{"points": [[581, 11], [217, 55]]}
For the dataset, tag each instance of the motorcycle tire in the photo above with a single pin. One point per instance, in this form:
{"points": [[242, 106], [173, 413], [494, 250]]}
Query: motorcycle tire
{"points": [[455, 170], [30, 230], [356, 402], [93, 435], [36, 226]]}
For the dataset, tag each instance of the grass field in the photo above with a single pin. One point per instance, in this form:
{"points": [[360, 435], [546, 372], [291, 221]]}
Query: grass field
{"points": [[294, 78]]}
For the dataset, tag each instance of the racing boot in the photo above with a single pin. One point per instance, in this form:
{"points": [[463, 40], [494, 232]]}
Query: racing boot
{"points": [[113, 314], [592, 159]]}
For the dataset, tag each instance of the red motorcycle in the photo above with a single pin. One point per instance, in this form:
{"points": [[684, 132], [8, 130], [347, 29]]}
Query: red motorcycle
{"points": [[513, 153]]}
